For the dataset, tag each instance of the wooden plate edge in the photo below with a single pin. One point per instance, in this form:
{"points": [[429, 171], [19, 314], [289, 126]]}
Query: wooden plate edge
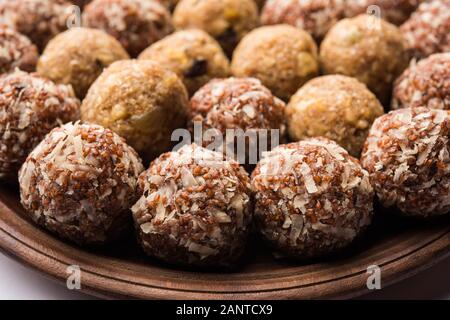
{"points": [[346, 287]]}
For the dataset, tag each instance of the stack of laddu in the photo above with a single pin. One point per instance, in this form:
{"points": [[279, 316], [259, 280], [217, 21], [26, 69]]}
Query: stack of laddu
{"points": [[80, 120]]}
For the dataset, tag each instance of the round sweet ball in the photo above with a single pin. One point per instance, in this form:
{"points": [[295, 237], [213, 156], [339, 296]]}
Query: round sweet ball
{"points": [[367, 48], [407, 156], [237, 104], [193, 55], [80, 183], [311, 198], [426, 83], [78, 56], [282, 57], [140, 101], [337, 107], [195, 208], [316, 17], [396, 12], [39, 20], [427, 31], [135, 23], [228, 21], [30, 107], [17, 51]]}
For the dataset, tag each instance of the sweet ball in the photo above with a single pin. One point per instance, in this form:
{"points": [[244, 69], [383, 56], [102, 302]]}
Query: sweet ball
{"points": [[30, 107], [407, 157], [78, 56], [80, 183], [312, 199], [194, 208]]}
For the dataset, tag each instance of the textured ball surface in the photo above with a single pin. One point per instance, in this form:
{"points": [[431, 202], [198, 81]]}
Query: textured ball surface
{"points": [[366, 48], [78, 56], [282, 57], [238, 103], [311, 198], [428, 29], [314, 16], [424, 84], [407, 156], [337, 107], [135, 23], [39, 20], [16, 51], [30, 107], [193, 55], [80, 183], [394, 11], [140, 101], [195, 208]]}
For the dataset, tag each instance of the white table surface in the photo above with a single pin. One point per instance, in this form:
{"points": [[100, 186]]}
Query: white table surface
{"points": [[18, 282]]}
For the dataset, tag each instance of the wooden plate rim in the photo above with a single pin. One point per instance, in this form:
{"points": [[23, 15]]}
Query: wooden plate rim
{"points": [[106, 286]]}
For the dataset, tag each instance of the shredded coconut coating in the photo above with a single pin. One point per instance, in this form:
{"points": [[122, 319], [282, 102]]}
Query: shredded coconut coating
{"points": [[428, 29], [311, 198], [195, 208], [80, 183], [237, 103], [39, 20], [193, 55], [228, 21], [282, 57], [394, 11], [78, 56], [30, 107], [407, 156], [16, 51], [314, 16], [425, 84], [140, 101], [135, 23], [367, 48], [337, 107]]}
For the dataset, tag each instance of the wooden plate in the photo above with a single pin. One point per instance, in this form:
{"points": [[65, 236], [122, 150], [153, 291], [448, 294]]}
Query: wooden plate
{"points": [[400, 247]]}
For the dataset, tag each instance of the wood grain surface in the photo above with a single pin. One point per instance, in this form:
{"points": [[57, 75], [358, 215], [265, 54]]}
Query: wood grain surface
{"points": [[399, 246]]}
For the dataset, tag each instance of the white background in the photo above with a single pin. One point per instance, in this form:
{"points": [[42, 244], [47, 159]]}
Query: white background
{"points": [[18, 282]]}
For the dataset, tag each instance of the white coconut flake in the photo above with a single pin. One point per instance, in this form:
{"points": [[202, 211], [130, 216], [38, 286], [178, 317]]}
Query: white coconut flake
{"points": [[400, 170], [187, 178], [423, 156], [287, 222], [147, 227], [160, 212], [249, 111], [296, 228], [440, 116], [300, 204], [78, 145], [288, 193], [27, 173], [308, 178], [237, 203], [204, 251], [221, 217]]}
